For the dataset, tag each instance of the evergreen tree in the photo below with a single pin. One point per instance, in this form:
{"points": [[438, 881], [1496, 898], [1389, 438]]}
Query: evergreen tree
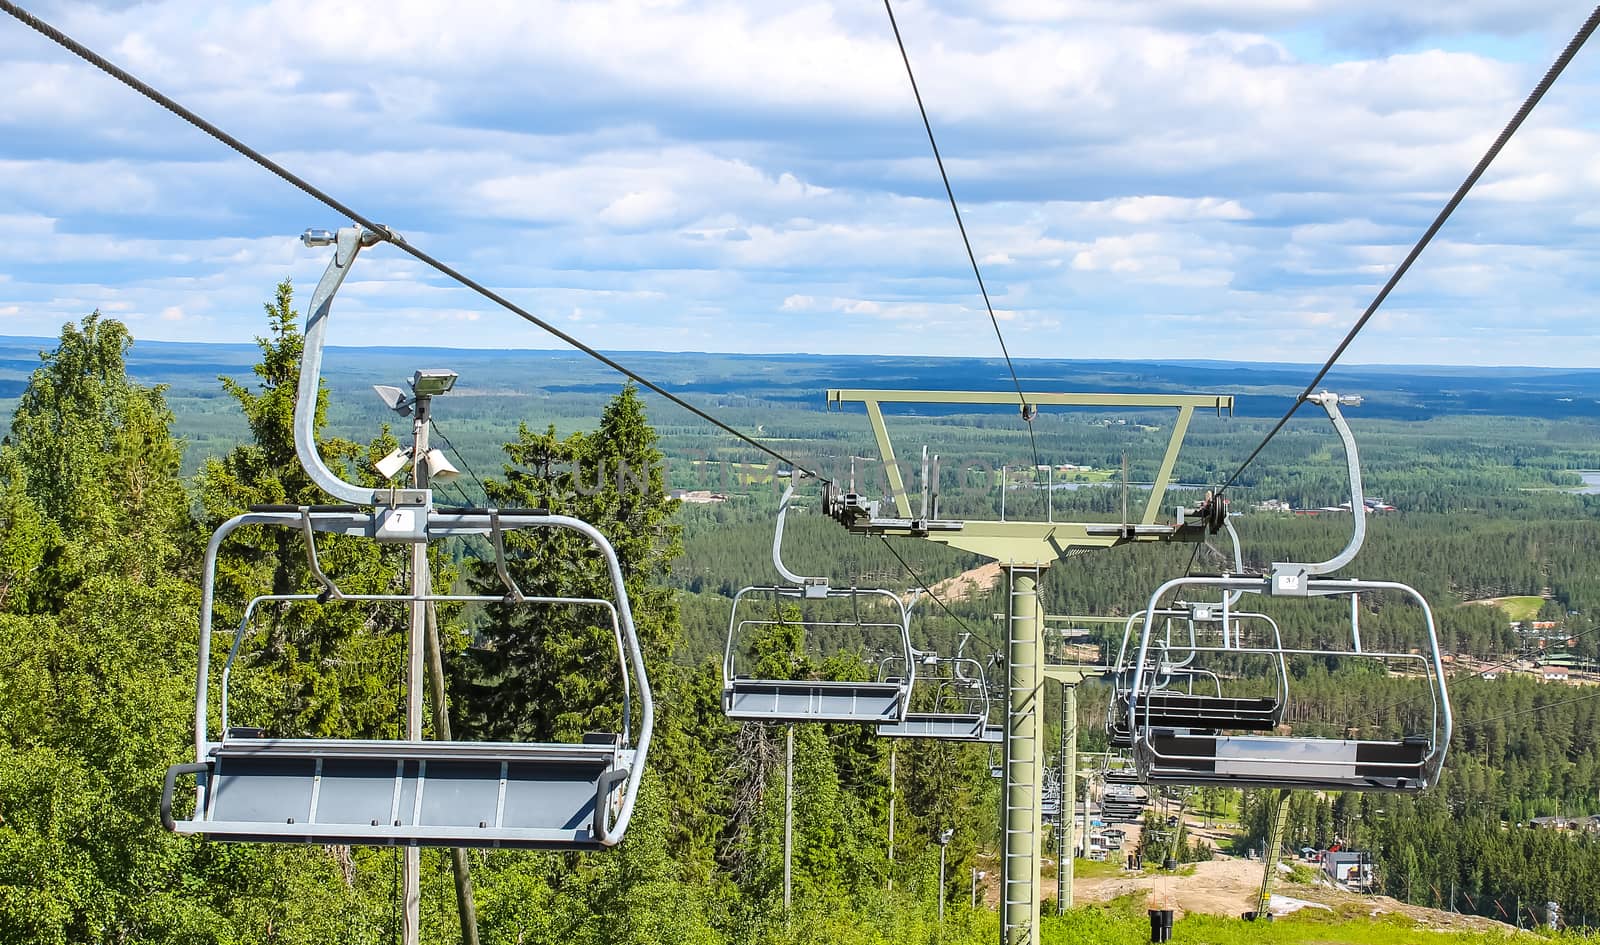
{"points": [[90, 473], [95, 695], [318, 669], [549, 672]]}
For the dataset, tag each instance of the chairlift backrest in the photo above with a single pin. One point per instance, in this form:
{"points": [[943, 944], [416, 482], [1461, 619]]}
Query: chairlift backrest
{"points": [[1166, 705]]}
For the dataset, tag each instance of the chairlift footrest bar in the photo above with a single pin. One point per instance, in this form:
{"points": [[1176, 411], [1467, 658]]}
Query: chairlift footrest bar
{"points": [[934, 725]]}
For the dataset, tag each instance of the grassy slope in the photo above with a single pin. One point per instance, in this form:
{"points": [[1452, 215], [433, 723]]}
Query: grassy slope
{"points": [[1521, 608], [1124, 922]]}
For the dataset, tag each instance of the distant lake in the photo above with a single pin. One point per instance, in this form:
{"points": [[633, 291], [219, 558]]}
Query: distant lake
{"points": [[1591, 482]]}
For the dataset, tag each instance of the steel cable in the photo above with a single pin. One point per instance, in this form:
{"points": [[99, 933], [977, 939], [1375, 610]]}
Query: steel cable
{"points": [[1550, 76], [929, 591], [961, 226], [301, 184]]}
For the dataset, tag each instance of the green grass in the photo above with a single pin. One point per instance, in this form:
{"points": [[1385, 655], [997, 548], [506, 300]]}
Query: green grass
{"points": [[1124, 921], [1110, 866], [1520, 608]]}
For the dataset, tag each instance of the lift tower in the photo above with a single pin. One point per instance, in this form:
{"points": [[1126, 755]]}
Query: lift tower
{"points": [[1025, 550]]}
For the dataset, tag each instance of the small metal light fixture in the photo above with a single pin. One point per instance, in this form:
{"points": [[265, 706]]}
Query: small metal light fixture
{"points": [[425, 385], [432, 383], [394, 398]]}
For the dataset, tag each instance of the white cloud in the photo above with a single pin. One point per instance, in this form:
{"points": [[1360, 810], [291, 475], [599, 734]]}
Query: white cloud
{"points": [[664, 169]]}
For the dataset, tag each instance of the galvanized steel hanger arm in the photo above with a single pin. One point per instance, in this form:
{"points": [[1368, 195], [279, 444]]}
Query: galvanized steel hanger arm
{"points": [[815, 587], [347, 243], [1289, 578]]}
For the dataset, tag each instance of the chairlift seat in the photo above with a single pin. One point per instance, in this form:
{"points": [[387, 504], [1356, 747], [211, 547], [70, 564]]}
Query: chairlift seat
{"points": [[1174, 757], [945, 726], [1183, 710], [408, 793], [800, 700]]}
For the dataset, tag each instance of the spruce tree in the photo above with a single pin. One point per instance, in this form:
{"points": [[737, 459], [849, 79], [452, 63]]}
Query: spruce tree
{"points": [[550, 672]]}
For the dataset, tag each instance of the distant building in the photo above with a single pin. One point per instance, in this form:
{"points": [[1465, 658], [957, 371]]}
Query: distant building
{"points": [[1554, 673], [698, 496], [1352, 868]]}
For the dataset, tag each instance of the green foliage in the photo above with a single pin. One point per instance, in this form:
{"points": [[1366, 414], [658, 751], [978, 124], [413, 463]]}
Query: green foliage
{"points": [[533, 673], [88, 476], [312, 669], [94, 698]]}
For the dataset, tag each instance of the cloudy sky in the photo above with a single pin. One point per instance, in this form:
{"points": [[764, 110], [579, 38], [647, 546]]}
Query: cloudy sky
{"points": [[1193, 178]]}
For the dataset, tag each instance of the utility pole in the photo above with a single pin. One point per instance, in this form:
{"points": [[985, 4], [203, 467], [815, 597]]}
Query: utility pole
{"points": [[466, 909], [423, 640], [892, 758], [421, 580], [788, 817], [944, 842], [1088, 796], [1069, 795]]}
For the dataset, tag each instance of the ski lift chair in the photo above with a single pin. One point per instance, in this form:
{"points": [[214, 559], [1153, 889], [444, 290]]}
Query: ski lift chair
{"points": [[1174, 662], [1121, 804], [1205, 750], [405, 792], [876, 701], [1050, 797], [950, 699], [576, 795]]}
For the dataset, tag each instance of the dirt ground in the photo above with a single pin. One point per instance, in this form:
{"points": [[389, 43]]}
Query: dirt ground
{"points": [[1227, 886], [968, 584]]}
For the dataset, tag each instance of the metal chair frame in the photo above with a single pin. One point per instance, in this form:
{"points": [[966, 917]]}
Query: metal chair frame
{"points": [[1163, 706], [454, 793], [1410, 764], [970, 723], [749, 699]]}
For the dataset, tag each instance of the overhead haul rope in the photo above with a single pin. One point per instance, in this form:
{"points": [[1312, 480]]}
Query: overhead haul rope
{"points": [[299, 183], [1525, 653], [1534, 709], [1555, 70], [1027, 416], [936, 599], [459, 458]]}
